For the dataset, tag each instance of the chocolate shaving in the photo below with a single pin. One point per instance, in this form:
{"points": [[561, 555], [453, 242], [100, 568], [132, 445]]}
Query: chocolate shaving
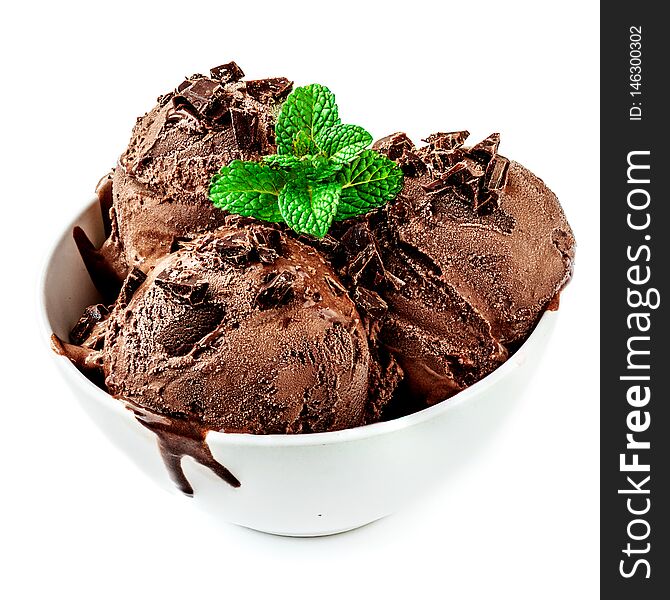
{"points": [[447, 141], [394, 281], [184, 286], [274, 88], [91, 317], [363, 262], [227, 73], [370, 302], [475, 175], [394, 145], [411, 164], [335, 286], [276, 290], [133, 281], [485, 150]]}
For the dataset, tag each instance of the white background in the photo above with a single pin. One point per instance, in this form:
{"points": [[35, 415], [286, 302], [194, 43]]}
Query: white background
{"points": [[77, 519]]}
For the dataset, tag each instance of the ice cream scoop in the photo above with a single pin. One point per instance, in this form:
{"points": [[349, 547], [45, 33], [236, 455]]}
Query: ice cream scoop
{"points": [[242, 329], [158, 192], [465, 259]]}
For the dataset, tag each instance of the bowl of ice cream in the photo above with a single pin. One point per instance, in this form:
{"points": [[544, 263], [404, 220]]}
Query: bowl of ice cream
{"points": [[295, 384]]}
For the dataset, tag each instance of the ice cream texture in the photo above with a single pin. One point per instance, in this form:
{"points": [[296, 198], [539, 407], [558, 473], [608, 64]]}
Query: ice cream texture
{"points": [[244, 326]]}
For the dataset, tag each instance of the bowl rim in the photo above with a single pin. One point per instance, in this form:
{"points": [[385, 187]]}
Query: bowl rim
{"points": [[542, 328]]}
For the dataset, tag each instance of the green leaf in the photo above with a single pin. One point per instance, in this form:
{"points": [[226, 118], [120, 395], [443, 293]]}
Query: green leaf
{"points": [[310, 109], [303, 144], [342, 143], [319, 168], [282, 160], [249, 189], [309, 207], [368, 182]]}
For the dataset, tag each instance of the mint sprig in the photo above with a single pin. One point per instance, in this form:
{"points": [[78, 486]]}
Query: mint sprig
{"points": [[321, 172]]}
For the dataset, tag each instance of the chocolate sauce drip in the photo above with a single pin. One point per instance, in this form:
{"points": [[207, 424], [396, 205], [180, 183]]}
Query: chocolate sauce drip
{"points": [[87, 360], [104, 191], [178, 438], [103, 275]]}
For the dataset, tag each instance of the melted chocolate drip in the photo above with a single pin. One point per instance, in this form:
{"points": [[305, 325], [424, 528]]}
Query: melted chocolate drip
{"points": [[103, 275], [178, 438], [104, 191]]}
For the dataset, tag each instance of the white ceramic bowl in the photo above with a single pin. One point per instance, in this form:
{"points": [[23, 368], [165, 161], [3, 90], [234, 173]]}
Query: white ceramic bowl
{"points": [[298, 485]]}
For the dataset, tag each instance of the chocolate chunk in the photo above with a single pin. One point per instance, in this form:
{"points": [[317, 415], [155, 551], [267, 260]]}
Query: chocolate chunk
{"points": [[268, 245], [198, 96], [326, 244], [245, 128], [447, 141], [364, 263], [394, 145], [357, 238], [266, 255], [394, 281], [236, 248], [335, 286], [465, 178], [485, 202], [181, 335], [274, 88], [184, 286], [276, 291], [485, 150], [183, 85], [496, 173], [366, 267], [268, 238], [227, 73], [133, 281], [182, 113], [411, 164], [370, 302], [219, 110], [91, 317]]}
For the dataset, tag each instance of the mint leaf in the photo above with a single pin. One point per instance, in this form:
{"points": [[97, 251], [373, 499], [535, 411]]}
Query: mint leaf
{"points": [[321, 172], [282, 160], [249, 189], [342, 143], [309, 207], [303, 144], [310, 109], [319, 168], [368, 182]]}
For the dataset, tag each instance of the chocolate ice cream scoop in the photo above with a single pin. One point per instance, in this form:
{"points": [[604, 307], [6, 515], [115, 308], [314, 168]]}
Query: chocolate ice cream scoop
{"points": [[466, 258], [159, 189], [241, 331]]}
